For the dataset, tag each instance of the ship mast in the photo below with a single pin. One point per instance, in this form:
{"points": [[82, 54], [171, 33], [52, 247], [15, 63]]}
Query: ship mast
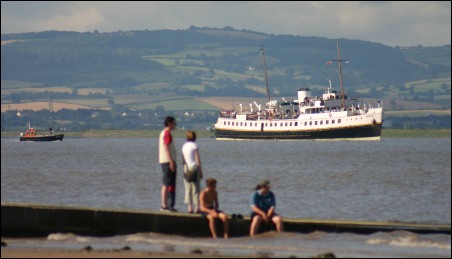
{"points": [[340, 73], [339, 61], [265, 71]]}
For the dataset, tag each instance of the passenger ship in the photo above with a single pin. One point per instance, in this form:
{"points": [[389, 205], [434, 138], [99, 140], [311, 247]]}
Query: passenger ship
{"points": [[331, 116]]}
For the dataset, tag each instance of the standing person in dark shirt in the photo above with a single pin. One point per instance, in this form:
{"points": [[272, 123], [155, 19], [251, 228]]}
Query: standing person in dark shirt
{"points": [[263, 205]]}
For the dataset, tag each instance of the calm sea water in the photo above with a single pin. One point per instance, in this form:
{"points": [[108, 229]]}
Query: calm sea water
{"points": [[390, 180], [406, 180]]}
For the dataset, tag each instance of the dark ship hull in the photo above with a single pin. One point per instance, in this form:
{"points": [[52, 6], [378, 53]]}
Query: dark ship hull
{"points": [[58, 137], [364, 132]]}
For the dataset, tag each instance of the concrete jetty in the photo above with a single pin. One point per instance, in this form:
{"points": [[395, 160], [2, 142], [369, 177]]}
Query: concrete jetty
{"points": [[28, 220]]}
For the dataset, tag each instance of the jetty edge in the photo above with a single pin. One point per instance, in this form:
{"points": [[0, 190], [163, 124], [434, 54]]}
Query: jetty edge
{"points": [[31, 220]]}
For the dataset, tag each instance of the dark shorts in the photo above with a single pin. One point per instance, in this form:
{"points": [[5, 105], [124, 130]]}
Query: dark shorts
{"points": [[204, 214], [168, 177]]}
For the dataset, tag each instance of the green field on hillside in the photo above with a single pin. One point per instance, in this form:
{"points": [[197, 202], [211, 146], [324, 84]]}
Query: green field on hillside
{"points": [[415, 133], [417, 113], [182, 104], [432, 84]]}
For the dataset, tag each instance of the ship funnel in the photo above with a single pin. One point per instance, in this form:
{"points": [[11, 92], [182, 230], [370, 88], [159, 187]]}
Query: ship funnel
{"points": [[303, 93]]}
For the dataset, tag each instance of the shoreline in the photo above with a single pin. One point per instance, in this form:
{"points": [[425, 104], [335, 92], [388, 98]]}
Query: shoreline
{"points": [[29, 247], [116, 253], [125, 253], [386, 133], [118, 134], [22, 248]]}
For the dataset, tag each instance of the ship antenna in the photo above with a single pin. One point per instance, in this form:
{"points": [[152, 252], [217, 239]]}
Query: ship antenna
{"points": [[329, 81], [265, 71]]}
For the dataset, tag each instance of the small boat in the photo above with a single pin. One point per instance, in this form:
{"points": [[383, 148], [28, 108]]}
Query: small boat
{"points": [[31, 134]]}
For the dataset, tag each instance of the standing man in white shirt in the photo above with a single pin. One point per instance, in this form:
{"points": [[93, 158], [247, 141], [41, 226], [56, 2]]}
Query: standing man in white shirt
{"points": [[167, 159]]}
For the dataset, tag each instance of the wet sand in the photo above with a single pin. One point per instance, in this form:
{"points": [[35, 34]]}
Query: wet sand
{"points": [[55, 253], [68, 253], [30, 251]]}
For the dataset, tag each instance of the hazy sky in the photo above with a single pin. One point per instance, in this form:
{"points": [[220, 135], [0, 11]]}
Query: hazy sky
{"points": [[390, 23]]}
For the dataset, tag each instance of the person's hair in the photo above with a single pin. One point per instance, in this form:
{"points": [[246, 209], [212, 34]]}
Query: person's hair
{"points": [[211, 182], [190, 135], [168, 120], [262, 184]]}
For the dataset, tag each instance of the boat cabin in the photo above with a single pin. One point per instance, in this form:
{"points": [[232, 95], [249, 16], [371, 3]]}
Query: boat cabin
{"points": [[31, 132]]}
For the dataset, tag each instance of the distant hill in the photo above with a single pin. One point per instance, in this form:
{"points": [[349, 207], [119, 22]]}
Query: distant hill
{"points": [[125, 59]]}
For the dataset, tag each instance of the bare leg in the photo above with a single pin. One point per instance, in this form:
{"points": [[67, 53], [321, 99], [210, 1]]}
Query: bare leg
{"points": [[164, 196], [196, 208], [279, 223], [212, 225], [257, 220], [224, 218]]}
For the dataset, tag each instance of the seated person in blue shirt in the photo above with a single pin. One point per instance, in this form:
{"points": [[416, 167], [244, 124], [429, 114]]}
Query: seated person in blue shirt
{"points": [[263, 204]]}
